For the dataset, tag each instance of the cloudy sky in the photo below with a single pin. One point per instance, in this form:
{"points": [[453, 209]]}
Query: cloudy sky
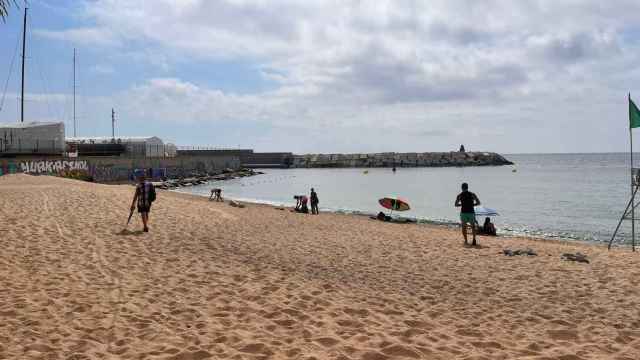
{"points": [[334, 76]]}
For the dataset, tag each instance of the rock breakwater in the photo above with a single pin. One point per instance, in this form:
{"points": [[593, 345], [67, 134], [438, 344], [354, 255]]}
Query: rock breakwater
{"points": [[199, 179], [391, 159]]}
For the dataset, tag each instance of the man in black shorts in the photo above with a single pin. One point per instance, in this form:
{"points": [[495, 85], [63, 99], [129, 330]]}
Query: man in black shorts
{"points": [[143, 197], [466, 200], [314, 202]]}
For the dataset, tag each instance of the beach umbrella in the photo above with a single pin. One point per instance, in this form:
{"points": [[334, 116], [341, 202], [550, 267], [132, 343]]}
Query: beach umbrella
{"points": [[484, 211], [392, 204]]}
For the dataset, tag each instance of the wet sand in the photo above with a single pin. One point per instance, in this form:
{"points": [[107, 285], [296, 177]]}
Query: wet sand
{"points": [[211, 281]]}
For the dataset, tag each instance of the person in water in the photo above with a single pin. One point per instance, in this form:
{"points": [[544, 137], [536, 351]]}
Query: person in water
{"points": [[488, 228], [314, 202], [466, 200]]}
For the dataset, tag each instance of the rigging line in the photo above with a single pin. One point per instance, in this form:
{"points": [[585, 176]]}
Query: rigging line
{"points": [[67, 101], [6, 84], [45, 83], [80, 99]]}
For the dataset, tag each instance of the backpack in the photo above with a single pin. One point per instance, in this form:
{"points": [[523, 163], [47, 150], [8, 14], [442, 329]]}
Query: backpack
{"points": [[152, 194]]}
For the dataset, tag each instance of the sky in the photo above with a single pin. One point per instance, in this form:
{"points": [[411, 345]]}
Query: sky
{"points": [[332, 76]]}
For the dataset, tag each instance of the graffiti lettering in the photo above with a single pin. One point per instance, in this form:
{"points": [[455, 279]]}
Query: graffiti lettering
{"points": [[40, 167]]}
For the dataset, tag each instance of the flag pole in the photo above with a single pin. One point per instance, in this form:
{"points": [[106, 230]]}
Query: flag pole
{"points": [[633, 217]]}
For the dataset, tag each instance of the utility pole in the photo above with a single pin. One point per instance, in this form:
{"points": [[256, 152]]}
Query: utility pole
{"points": [[24, 55], [113, 124], [74, 92]]}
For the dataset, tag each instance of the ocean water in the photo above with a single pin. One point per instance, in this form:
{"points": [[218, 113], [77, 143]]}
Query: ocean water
{"points": [[568, 196]]}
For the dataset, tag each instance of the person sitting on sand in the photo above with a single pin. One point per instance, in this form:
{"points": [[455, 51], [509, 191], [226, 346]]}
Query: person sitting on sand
{"points": [[488, 228], [298, 199], [143, 197], [314, 202], [303, 204], [217, 193], [466, 200]]}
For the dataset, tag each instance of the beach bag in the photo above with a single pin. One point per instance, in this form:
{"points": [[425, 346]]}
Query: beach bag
{"points": [[152, 194]]}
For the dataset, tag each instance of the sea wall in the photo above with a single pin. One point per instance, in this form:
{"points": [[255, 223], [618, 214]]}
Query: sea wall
{"points": [[248, 158], [114, 169], [430, 159]]}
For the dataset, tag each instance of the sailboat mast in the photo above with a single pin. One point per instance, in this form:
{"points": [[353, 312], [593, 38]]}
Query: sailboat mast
{"points": [[74, 92], [113, 124], [24, 55]]}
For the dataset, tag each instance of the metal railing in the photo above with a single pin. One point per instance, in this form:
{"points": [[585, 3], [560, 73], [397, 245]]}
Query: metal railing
{"points": [[209, 148], [28, 151]]}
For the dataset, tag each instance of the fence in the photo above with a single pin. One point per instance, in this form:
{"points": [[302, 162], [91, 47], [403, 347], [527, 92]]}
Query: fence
{"points": [[122, 150], [208, 148], [21, 146]]}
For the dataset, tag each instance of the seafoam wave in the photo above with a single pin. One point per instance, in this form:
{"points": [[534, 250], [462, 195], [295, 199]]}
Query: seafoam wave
{"points": [[504, 231]]}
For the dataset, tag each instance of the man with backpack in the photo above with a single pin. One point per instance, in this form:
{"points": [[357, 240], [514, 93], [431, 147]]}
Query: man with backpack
{"points": [[145, 195]]}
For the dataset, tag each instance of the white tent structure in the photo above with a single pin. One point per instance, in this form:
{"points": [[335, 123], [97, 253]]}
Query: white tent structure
{"points": [[32, 137], [143, 146]]}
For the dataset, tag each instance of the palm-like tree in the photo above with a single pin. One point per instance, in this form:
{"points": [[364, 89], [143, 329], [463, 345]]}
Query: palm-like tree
{"points": [[4, 7]]}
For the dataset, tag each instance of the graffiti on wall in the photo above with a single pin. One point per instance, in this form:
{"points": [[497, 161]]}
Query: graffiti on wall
{"points": [[52, 167], [112, 170], [107, 173]]}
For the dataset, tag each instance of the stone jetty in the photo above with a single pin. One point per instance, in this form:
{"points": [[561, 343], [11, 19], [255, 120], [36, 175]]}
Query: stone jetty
{"points": [[390, 159], [198, 179]]}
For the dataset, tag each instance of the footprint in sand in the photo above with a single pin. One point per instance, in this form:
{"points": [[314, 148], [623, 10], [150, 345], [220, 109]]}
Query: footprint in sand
{"points": [[327, 341], [192, 355], [374, 355], [469, 333], [256, 348], [398, 350], [356, 312], [563, 335]]}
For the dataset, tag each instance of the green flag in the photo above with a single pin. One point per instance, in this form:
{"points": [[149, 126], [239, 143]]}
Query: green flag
{"points": [[634, 115]]}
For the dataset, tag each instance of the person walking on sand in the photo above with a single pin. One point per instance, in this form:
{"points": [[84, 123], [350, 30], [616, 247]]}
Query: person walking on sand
{"points": [[466, 200], [314, 202], [145, 195]]}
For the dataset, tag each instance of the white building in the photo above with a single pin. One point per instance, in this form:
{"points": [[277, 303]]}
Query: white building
{"points": [[32, 137], [170, 150], [144, 146]]}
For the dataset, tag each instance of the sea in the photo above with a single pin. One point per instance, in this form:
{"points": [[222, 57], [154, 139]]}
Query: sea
{"points": [[577, 197]]}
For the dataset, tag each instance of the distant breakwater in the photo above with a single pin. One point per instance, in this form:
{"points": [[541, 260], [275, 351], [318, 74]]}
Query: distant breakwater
{"points": [[391, 159], [200, 179]]}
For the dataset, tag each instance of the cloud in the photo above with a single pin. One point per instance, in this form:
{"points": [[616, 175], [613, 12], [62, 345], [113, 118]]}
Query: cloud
{"points": [[437, 133], [94, 36], [574, 48], [103, 69], [391, 67]]}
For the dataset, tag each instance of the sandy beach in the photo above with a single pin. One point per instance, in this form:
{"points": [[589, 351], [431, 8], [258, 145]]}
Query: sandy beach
{"points": [[211, 281]]}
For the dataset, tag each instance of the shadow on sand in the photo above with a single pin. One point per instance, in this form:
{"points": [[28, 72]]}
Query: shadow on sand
{"points": [[126, 232], [479, 247]]}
